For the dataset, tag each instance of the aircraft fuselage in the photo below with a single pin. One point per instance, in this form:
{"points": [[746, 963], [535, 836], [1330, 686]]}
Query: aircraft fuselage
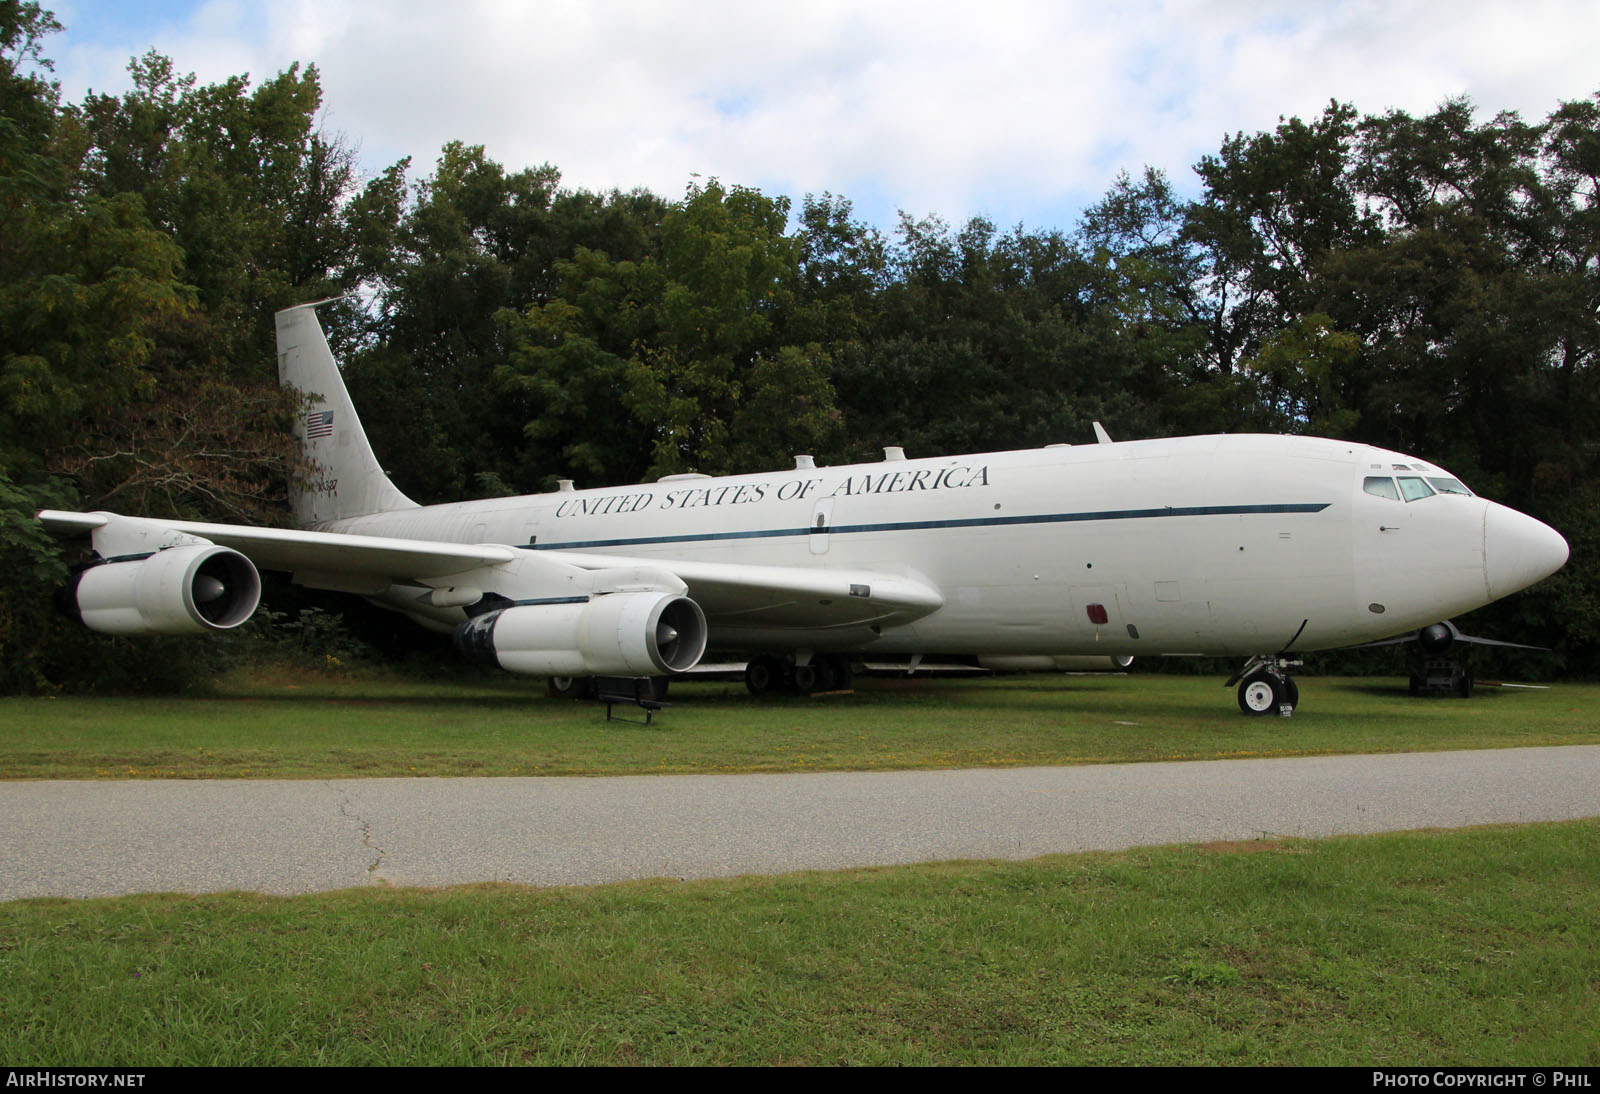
{"points": [[1218, 545]]}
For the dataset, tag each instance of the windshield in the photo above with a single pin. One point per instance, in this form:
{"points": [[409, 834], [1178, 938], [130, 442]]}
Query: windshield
{"points": [[1446, 485], [1381, 486], [1411, 482], [1412, 488]]}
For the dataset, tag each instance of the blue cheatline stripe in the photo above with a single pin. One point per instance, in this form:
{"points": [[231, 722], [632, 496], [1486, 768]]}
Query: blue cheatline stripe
{"points": [[963, 522]]}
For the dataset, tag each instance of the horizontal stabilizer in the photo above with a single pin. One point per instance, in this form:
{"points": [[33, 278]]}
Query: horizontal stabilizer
{"points": [[1438, 637]]}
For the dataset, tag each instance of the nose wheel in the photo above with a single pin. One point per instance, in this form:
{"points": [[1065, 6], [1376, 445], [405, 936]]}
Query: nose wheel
{"points": [[1265, 686], [1266, 692]]}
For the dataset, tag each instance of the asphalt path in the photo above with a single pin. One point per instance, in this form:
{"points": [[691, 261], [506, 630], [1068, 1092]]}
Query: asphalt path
{"points": [[91, 839]]}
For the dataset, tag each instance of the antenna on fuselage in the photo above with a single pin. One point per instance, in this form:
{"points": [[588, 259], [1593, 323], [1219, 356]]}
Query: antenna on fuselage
{"points": [[1100, 434]]}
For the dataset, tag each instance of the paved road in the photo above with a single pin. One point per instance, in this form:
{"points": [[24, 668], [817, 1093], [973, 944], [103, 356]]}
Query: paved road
{"points": [[87, 839]]}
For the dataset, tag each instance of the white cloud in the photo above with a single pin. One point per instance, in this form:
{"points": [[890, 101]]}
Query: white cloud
{"points": [[1018, 108]]}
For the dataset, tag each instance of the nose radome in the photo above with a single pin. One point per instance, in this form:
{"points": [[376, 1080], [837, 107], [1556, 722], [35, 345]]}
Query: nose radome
{"points": [[1518, 550]]}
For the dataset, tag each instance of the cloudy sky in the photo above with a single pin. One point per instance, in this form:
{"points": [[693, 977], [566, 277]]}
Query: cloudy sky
{"points": [[1020, 110]]}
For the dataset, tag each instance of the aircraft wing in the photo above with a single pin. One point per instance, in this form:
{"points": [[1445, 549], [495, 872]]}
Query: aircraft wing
{"points": [[729, 593], [366, 558], [735, 594]]}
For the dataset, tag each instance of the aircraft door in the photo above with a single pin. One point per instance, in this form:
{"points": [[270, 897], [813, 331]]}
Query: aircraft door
{"points": [[1381, 539], [821, 521]]}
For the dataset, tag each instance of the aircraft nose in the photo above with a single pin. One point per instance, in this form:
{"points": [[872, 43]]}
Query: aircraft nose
{"points": [[1518, 550]]}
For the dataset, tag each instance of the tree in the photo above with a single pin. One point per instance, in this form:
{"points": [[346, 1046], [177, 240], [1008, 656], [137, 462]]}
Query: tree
{"points": [[985, 340], [267, 210], [477, 243], [1151, 282], [694, 343], [146, 242], [1275, 205], [85, 283]]}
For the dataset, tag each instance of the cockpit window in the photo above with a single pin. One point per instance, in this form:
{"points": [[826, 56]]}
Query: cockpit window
{"points": [[1446, 485], [1412, 488], [1380, 486]]}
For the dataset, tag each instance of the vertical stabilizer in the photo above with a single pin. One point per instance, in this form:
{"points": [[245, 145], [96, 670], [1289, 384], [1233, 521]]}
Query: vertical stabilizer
{"points": [[346, 480]]}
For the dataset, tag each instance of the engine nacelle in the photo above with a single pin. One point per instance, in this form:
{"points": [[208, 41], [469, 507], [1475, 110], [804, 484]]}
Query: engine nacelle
{"points": [[619, 634], [182, 590]]}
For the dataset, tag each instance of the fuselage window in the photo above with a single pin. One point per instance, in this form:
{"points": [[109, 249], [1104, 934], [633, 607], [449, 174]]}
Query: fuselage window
{"points": [[1413, 488], [1449, 486], [1380, 487]]}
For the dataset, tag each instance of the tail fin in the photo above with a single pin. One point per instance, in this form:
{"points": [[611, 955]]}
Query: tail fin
{"points": [[346, 480]]}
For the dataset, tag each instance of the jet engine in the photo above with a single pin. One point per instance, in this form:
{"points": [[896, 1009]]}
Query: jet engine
{"points": [[617, 634], [181, 590]]}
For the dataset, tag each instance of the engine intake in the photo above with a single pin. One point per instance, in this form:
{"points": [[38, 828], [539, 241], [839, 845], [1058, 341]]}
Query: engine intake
{"points": [[619, 634], [182, 590]]}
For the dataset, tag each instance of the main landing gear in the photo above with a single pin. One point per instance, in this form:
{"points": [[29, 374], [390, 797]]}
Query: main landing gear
{"points": [[770, 675], [1265, 686], [570, 687], [1442, 677]]}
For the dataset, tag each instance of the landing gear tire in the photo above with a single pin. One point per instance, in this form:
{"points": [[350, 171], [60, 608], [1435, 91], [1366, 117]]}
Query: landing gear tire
{"points": [[1265, 692], [771, 675], [763, 675], [570, 687]]}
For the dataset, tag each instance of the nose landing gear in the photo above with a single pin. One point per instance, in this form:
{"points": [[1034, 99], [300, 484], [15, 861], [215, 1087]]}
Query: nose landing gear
{"points": [[1265, 686]]}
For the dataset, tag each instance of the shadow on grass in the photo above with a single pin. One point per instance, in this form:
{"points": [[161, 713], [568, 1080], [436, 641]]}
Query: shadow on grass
{"points": [[336, 698], [1483, 690]]}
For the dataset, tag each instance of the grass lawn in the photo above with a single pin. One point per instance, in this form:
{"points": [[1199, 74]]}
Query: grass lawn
{"points": [[1469, 947], [268, 725]]}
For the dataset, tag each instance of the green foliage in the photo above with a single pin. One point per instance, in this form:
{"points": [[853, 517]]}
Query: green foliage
{"points": [[1297, 371], [986, 341], [716, 365], [144, 243], [476, 247], [692, 343], [312, 638], [33, 565], [1564, 610], [27, 99]]}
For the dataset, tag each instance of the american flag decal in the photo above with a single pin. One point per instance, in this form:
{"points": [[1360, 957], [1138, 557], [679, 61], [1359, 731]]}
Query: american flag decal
{"points": [[319, 423]]}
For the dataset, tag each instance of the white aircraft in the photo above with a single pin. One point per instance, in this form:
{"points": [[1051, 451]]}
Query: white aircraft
{"points": [[1260, 546]]}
